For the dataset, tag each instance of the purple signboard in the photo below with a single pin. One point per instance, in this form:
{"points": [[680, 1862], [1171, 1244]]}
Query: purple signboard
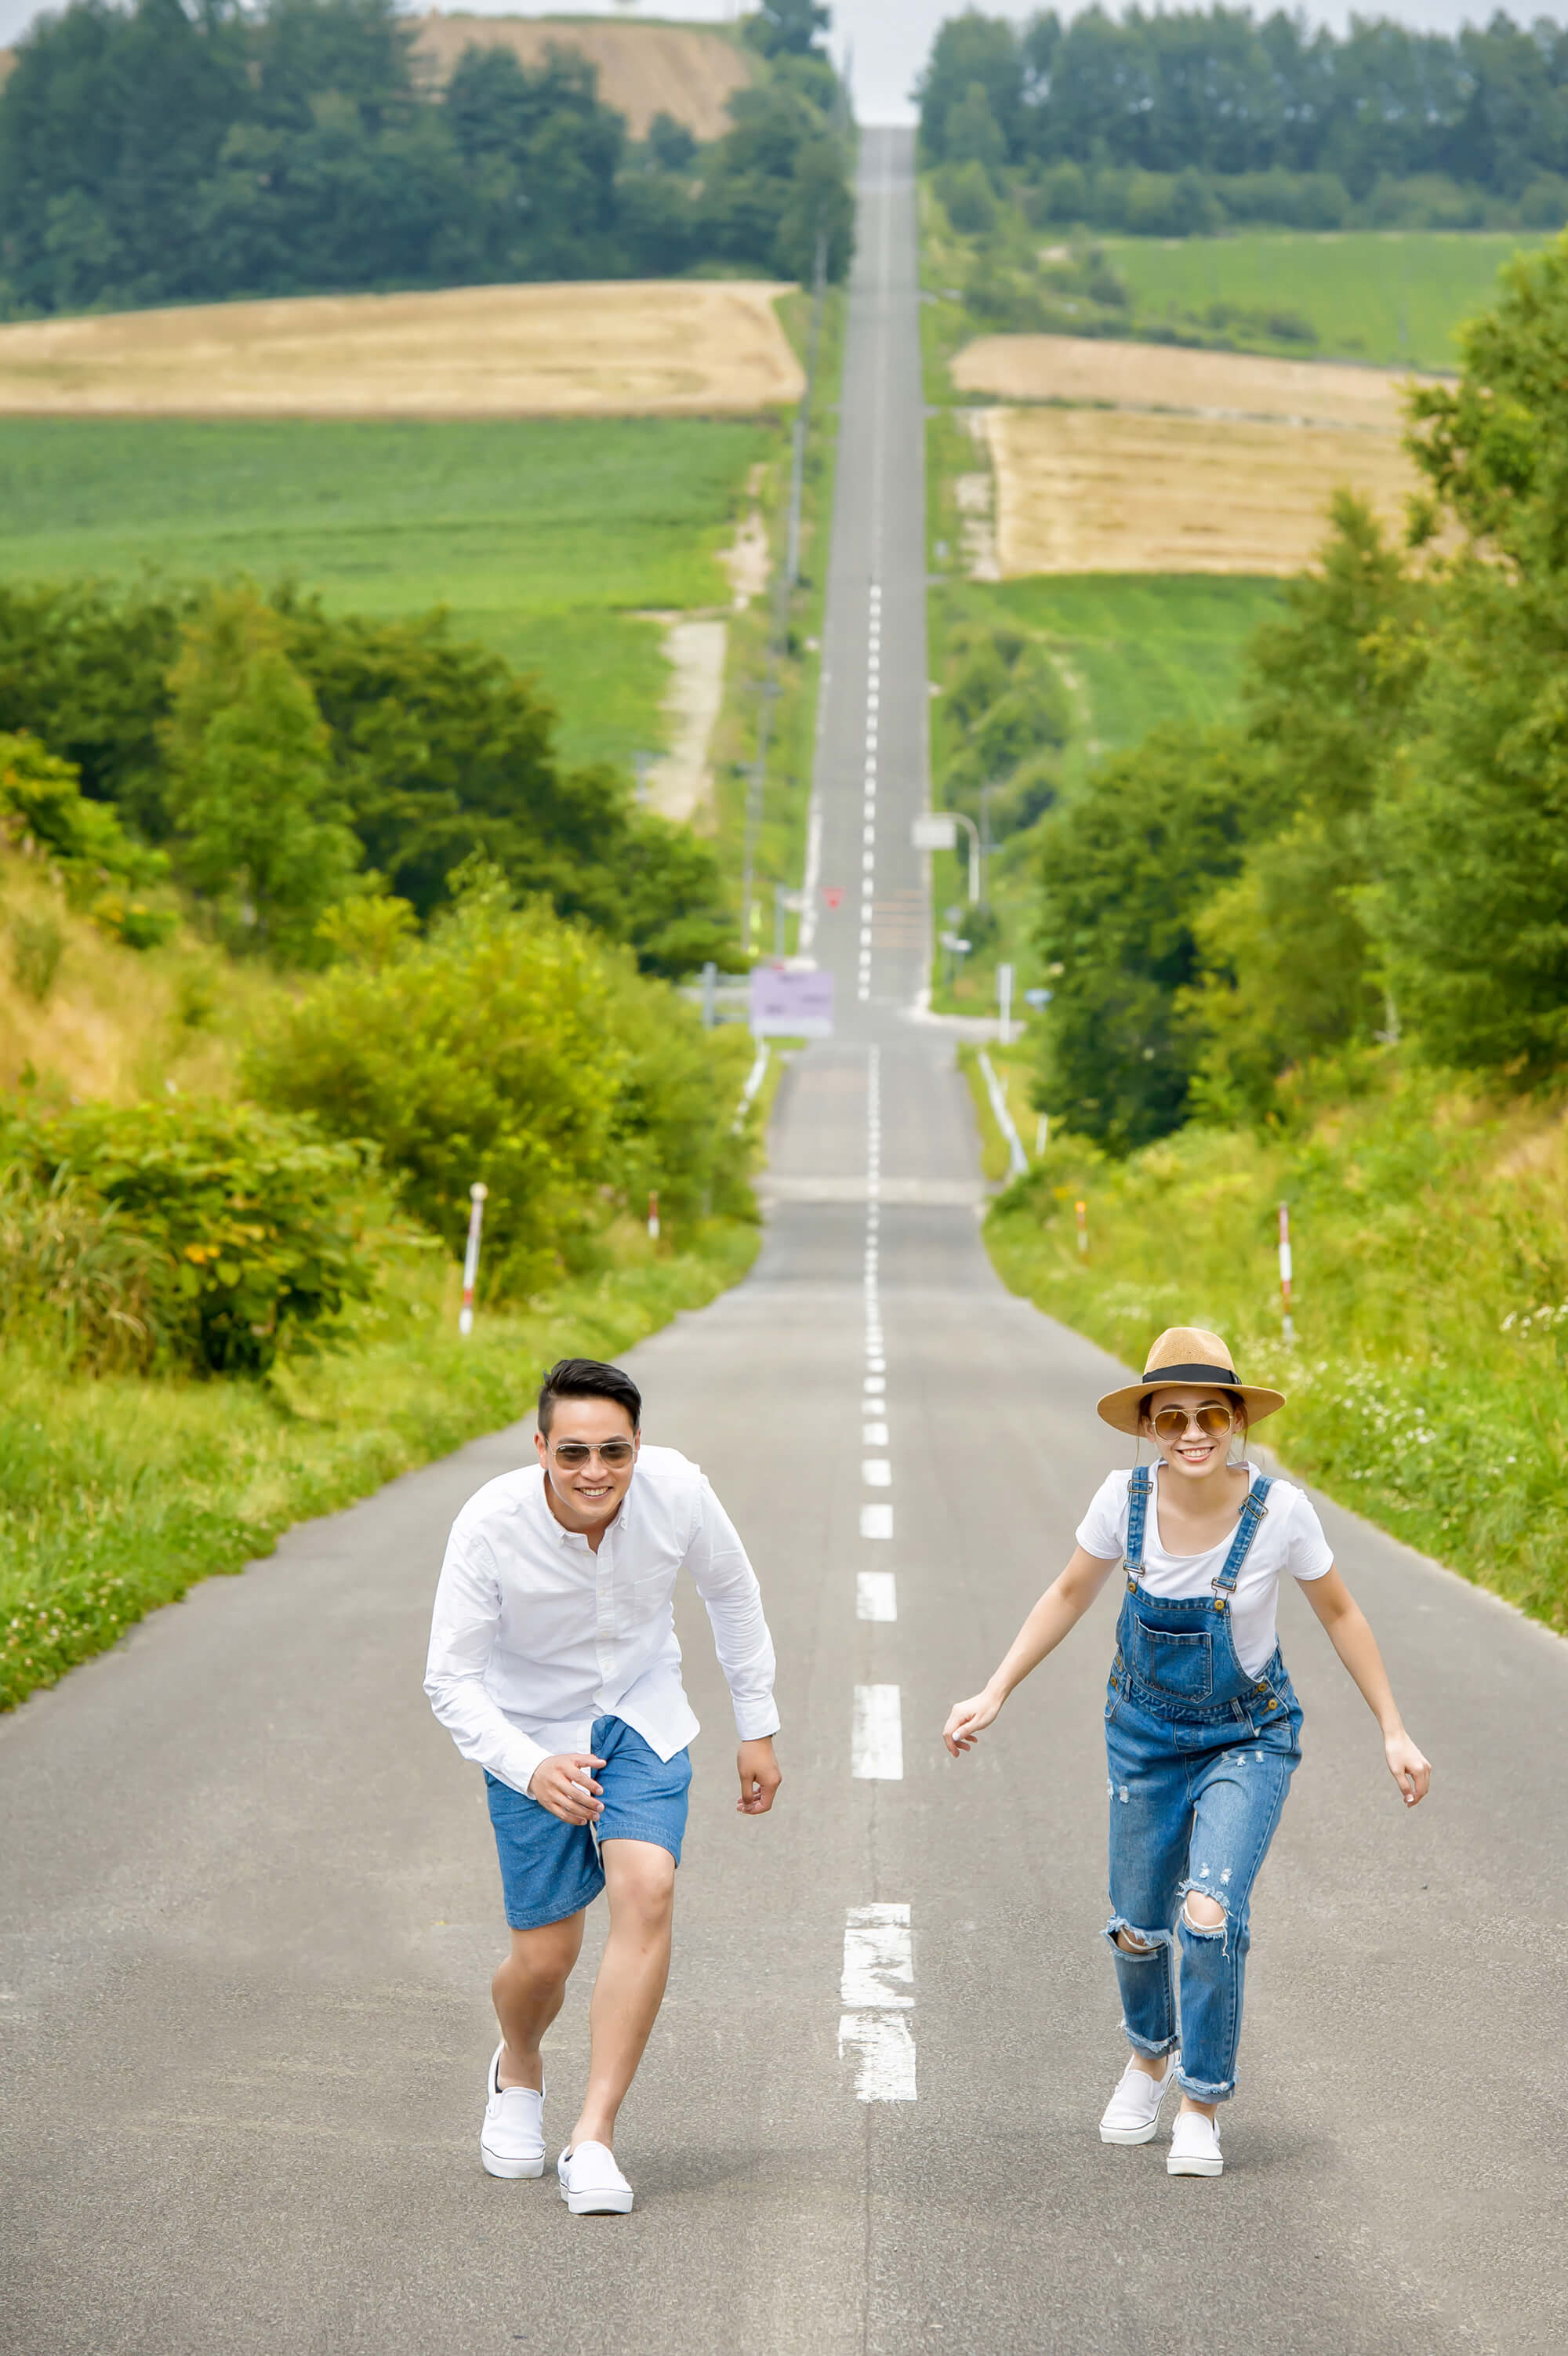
{"points": [[788, 1004]]}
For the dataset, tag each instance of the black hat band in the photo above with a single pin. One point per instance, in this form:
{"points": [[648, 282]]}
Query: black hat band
{"points": [[1156, 1376]]}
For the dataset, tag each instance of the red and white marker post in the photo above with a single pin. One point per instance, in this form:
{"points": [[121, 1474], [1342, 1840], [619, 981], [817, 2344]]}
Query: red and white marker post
{"points": [[476, 1194], [1285, 1271], [1082, 1210], [653, 1218]]}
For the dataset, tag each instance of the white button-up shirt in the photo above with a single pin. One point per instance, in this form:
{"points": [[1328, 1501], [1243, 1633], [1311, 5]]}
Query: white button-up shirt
{"points": [[536, 1635]]}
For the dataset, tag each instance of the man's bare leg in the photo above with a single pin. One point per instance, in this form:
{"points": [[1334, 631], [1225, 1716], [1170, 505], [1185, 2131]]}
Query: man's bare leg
{"points": [[528, 1991], [640, 1878]]}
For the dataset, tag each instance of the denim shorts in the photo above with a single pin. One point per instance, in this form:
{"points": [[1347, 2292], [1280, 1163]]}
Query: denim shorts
{"points": [[549, 1870]]}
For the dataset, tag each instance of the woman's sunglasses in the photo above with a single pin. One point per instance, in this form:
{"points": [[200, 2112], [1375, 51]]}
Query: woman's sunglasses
{"points": [[573, 1454], [1213, 1421]]}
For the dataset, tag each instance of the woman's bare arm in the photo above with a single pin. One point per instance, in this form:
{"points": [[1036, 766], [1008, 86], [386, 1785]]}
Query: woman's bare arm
{"points": [[1353, 1640], [1059, 1610]]}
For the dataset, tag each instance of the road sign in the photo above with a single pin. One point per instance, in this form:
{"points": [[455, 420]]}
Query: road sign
{"points": [[832, 894], [791, 1005], [934, 830]]}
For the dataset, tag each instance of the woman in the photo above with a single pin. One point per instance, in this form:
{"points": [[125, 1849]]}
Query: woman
{"points": [[1202, 1729]]}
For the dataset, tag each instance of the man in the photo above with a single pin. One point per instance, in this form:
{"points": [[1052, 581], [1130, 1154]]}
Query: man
{"points": [[553, 1664]]}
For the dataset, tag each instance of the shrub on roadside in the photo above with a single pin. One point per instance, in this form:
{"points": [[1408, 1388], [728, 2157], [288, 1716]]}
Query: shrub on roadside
{"points": [[232, 1235], [506, 1047]]}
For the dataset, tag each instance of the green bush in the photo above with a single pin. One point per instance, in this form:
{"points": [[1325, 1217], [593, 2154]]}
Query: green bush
{"points": [[511, 1048], [966, 191], [45, 814], [253, 1222]]}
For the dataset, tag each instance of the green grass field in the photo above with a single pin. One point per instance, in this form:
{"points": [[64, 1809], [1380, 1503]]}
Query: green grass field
{"points": [[1395, 297], [1137, 649], [1134, 650], [543, 537]]}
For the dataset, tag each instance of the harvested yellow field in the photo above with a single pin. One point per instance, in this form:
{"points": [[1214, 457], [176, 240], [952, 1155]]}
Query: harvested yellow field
{"points": [[644, 70], [627, 348], [1098, 490], [1078, 369]]}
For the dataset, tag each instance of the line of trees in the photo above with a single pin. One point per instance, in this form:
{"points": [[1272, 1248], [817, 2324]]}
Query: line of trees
{"points": [[1381, 849], [1309, 122], [271, 759], [157, 152]]}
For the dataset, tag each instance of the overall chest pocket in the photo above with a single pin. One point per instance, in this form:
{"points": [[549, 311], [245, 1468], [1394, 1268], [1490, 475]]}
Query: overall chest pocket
{"points": [[1182, 1666]]}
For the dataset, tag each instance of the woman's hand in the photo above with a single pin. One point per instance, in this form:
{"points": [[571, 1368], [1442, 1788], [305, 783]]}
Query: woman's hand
{"points": [[1409, 1771], [966, 1720]]}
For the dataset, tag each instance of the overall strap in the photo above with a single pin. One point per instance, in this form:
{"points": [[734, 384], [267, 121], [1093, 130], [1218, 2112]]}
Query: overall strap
{"points": [[1137, 1513], [1252, 1513]]}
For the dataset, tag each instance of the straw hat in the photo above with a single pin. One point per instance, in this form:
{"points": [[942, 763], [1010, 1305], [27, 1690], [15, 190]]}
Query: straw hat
{"points": [[1187, 1358]]}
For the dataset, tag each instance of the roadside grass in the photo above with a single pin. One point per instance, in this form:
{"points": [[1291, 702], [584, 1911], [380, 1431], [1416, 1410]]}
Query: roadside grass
{"points": [[1428, 1382], [1013, 1066], [1132, 650], [548, 539], [781, 845], [116, 1495], [1391, 296]]}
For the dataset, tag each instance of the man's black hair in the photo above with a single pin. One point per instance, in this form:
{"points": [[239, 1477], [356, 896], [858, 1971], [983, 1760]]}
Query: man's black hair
{"points": [[587, 1378]]}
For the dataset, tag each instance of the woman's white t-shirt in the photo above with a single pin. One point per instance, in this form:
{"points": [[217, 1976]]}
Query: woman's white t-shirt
{"points": [[1290, 1538]]}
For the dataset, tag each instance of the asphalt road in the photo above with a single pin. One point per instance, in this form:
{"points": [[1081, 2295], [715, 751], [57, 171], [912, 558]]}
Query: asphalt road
{"points": [[250, 1900]]}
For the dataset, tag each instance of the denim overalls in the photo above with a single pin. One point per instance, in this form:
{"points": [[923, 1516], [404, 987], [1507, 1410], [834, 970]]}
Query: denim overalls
{"points": [[1200, 1758]]}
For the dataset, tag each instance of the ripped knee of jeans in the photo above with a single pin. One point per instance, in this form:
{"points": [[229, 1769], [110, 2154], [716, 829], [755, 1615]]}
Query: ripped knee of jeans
{"points": [[1140, 1945], [1203, 1915]]}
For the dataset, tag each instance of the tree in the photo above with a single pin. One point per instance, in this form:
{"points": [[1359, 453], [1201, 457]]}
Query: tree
{"points": [[1471, 823], [1471, 832], [788, 27], [972, 134], [1125, 867], [971, 52], [776, 181], [85, 669], [261, 833]]}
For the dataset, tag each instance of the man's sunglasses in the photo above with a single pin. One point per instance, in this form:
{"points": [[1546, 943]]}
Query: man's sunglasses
{"points": [[573, 1454], [1212, 1421]]}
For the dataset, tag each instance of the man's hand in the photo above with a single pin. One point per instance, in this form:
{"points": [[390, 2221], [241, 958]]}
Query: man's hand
{"points": [[564, 1784], [759, 1777]]}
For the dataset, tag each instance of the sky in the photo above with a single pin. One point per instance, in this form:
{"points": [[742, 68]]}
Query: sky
{"points": [[889, 39]]}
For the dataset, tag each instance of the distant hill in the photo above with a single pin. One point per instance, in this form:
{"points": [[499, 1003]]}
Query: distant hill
{"points": [[687, 72]]}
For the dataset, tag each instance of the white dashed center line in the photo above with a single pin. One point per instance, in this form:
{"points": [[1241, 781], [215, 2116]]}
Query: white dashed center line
{"points": [[876, 1990], [876, 1595], [876, 1736], [868, 862]]}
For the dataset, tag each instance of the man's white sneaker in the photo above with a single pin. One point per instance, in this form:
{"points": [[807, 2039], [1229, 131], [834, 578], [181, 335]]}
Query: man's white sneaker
{"points": [[591, 2183], [1195, 2145], [1133, 2111], [511, 2141]]}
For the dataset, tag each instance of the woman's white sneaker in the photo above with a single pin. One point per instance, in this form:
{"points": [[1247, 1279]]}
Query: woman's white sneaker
{"points": [[511, 2141], [591, 2183], [1133, 2111], [1195, 2145]]}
